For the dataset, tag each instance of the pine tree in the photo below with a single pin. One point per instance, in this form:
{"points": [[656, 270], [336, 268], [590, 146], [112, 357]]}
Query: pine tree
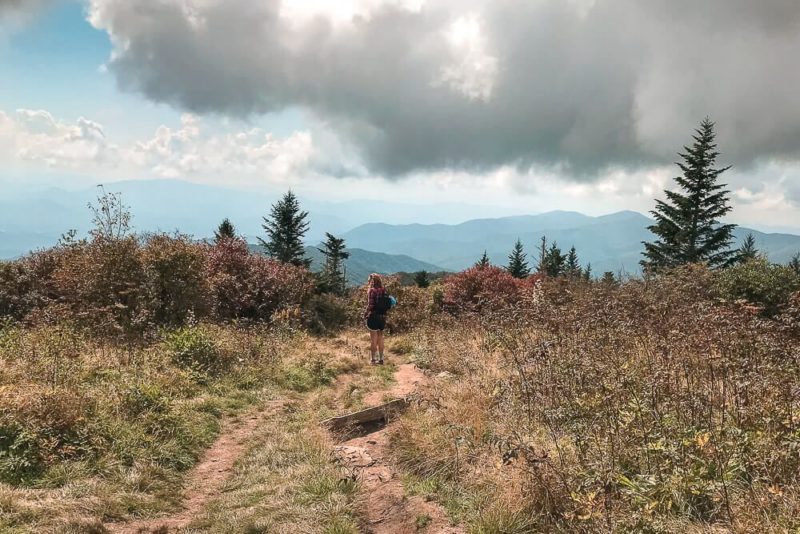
{"points": [[483, 262], [609, 278], [587, 273], [573, 267], [517, 263], [794, 263], [286, 226], [421, 279], [333, 277], [225, 230], [748, 250], [555, 263], [687, 226], [542, 255]]}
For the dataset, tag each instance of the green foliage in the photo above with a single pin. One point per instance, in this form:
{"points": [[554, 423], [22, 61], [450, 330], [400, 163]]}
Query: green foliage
{"points": [[748, 250], [326, 314], [483, 261], [286, 227], [225, 230], [308, 375], [555, 263], [687, 225], [760, 283], [422, 279], [194, 348], [572, 266], [333, 278], [517, 263]]}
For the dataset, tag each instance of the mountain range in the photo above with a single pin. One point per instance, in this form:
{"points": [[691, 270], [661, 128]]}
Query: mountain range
{"points": [[610, 242], [409, 237]]}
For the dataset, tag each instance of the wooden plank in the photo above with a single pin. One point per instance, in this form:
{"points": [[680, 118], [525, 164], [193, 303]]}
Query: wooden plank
{"points": [[369, 415]]}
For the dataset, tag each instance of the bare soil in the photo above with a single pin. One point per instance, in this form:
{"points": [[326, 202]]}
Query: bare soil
{"points": [[387, 508], [208, 477]]}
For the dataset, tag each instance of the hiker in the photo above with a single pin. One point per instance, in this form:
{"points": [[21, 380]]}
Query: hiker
{"points": [[378, 305]]}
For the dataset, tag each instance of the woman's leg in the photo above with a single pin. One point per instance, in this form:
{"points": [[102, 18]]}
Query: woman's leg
{"points": [[380, 344], [373, 341]]}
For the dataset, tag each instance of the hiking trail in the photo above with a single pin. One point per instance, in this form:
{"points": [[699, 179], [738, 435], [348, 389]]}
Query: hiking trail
{"points": [[388, 510]]}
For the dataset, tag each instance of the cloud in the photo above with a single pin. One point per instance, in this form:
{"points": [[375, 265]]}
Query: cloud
{"points": [[577, 85], [37, 139]]}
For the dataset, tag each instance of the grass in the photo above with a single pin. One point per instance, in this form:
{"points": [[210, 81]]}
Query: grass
{"points": [[286, 482], [91, 432]]}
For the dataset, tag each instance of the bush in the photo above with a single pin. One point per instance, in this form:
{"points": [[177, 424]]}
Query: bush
{"points": [[176, 285], [484, 289], [326, 313], [249, 286], [759, 283], [194, 348]]}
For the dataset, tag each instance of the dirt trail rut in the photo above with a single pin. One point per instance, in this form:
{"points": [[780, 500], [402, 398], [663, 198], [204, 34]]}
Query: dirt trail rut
{"points": [[208, 477], [388, 510]]}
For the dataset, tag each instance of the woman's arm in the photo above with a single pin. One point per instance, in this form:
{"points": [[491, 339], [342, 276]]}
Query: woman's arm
{"points": [[370, 302]]}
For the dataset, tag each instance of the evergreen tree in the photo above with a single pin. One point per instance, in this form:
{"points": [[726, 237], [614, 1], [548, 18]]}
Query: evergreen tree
{"points": [[483, 262], [748, 250], [286, 226], [421, 279], [587, 273], [555, 263], [333, 277], [573, 267], [225, 230], [609, 279], [687, 226], [794, 263], [517, 263], [542, 255]]}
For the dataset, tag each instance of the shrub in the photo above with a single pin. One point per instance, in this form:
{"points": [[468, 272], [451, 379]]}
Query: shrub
{"points": [[760, 283], [176, 286], [326, 313], [249, 286], [194, 348], [483, 289]]}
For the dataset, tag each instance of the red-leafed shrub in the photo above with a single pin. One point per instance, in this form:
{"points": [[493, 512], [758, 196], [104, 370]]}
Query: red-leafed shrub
{"points": [[249, 286], [485, 289]]}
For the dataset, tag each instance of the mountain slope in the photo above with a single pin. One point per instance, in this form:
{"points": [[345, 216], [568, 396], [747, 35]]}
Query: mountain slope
{"points": [[363, 262], [610, 242]]}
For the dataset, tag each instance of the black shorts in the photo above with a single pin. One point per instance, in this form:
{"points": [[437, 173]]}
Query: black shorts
{"points": [[376, 322]]}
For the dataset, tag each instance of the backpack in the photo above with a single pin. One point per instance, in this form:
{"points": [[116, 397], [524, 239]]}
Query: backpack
{"points": [[383, 304]]}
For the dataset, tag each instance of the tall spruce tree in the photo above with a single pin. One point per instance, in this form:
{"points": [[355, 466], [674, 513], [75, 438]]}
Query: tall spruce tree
{"points": [[483, 262], [517, 262], [225, 230], [687, 226], [286, 226], [333, 277], [555, 263], [573, 266], [748, 250]]}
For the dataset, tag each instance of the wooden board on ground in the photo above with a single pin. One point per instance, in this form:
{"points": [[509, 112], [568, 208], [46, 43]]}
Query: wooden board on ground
{"points": [[369, 415]]}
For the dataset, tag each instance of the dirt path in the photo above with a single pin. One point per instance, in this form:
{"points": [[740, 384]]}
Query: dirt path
{"points": [[388, 510], [208, 477]]}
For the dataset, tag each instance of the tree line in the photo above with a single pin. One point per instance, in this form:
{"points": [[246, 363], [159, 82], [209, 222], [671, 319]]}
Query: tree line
{"points": [[687, 228]]}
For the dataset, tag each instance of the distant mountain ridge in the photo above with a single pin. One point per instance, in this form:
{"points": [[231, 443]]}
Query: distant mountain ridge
{"points": [[610, 242], [362, 263]]}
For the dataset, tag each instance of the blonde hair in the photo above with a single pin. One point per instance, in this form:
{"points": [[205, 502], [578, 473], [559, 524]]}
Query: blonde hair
{"points": [[374, 281]]}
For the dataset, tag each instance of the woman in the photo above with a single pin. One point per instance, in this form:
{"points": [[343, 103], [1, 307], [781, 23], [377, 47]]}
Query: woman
{"points": [[376, 318]]}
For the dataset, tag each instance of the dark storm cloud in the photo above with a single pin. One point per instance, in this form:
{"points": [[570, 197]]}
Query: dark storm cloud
{"points": [[577, 85]]}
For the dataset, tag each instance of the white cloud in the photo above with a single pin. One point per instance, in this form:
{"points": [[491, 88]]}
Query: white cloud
{"points": [[34, 138]]}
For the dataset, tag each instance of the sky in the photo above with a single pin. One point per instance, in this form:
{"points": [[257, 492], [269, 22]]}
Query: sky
{"points": [[527, 106]]}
